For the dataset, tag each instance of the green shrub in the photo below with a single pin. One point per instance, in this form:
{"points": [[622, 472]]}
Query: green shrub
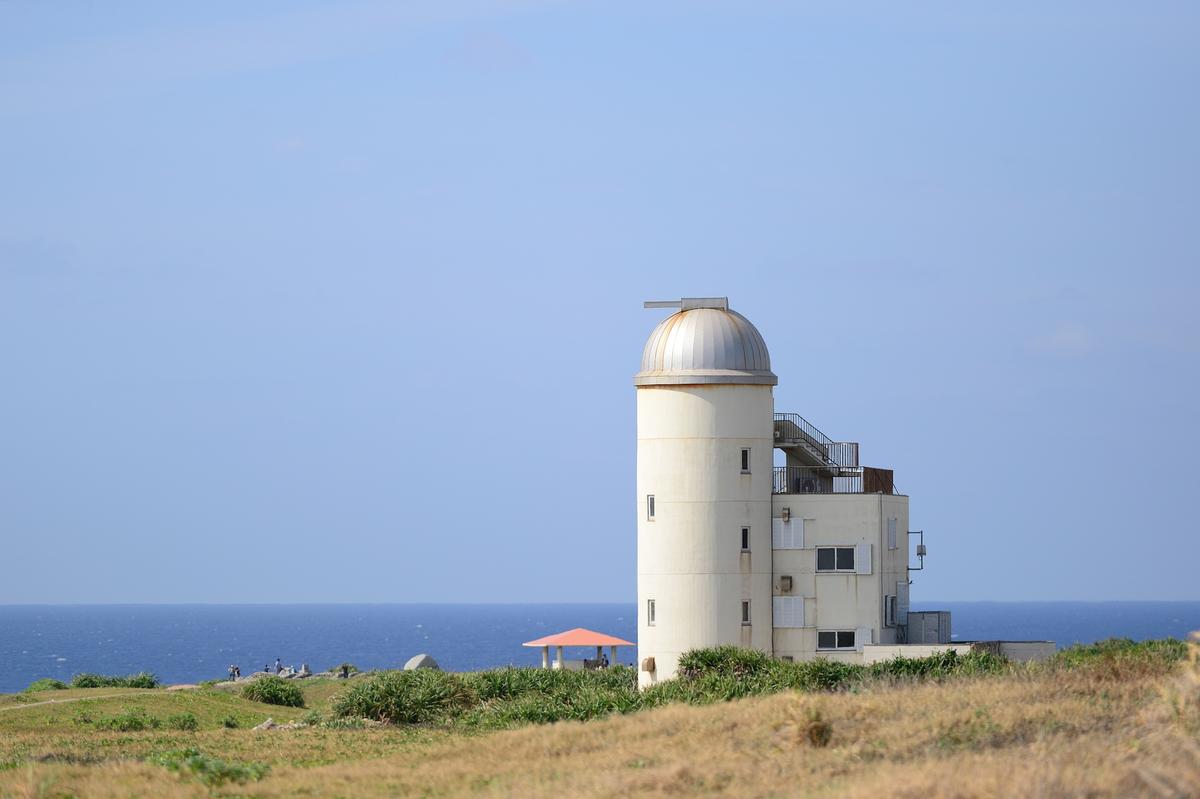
{"points": [[274, 690], [508, 683], [141, 680], [209, 770], [343, 724], [509, 697], [1166, 650], [45, 684], [183, 721], [134, 720], [406, 697], [230, 723], [349, 667], [312, 718], [731, 661], [940, 665]]}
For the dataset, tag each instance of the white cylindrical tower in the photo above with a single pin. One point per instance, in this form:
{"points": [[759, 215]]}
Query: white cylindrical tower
{"points": [[704, 476]]}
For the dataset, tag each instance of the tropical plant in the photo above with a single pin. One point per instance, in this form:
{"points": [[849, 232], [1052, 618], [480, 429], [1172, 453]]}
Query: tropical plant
{"points": [[274, 690]]}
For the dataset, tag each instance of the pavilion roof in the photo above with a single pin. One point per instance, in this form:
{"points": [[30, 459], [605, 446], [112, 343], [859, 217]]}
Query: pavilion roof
{"points": [[578, 637]]}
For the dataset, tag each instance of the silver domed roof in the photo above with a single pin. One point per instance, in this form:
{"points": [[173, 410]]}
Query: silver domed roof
{"points": [[709, 344]]}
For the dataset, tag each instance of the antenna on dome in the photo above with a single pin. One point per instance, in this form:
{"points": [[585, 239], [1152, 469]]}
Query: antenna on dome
{"points": [[690, 303]]}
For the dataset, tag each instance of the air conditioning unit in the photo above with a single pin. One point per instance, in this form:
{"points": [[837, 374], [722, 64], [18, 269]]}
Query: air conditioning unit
{"points": [[648, 664], [785, 584]]}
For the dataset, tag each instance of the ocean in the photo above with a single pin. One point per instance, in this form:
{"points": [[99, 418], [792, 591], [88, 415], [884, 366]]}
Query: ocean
{"points": [[187, 643]]}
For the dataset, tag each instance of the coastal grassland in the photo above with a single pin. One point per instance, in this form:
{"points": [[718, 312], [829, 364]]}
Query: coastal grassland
{"points": [[90, 727], [1113, 720]]}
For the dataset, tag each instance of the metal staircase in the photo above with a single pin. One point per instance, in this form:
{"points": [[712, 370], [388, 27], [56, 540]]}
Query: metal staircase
{"points": [[798, 437]]}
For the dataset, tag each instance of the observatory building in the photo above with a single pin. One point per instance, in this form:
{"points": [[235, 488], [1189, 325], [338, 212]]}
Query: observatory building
{"points": [[806, 559]]}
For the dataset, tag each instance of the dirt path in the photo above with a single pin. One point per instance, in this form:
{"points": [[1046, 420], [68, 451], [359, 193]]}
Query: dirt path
{"points": [[62, 701]]}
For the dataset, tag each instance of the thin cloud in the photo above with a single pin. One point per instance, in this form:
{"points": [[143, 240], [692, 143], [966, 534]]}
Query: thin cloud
{"points": [[1067, 338]]}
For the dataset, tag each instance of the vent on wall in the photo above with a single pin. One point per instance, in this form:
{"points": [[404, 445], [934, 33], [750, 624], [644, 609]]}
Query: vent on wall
{"points": [[785, 584]]}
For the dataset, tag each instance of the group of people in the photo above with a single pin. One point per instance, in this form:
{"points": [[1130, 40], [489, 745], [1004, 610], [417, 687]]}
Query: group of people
{"points": [[235, 671]]}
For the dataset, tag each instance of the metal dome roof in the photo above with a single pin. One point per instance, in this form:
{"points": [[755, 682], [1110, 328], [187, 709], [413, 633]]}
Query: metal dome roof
{"points": [[704, 343]]}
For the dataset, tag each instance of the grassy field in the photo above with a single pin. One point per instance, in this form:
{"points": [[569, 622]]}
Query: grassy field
{"points": [[1101, 721]]}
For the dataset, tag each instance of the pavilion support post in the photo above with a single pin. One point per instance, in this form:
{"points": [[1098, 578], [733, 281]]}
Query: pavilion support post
{"points": [[599, 651], [546, 657], [558, 657], [612, 658]]}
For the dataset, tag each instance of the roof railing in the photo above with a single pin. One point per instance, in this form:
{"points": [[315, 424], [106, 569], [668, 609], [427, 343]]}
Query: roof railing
{"points": [[832, 480]]}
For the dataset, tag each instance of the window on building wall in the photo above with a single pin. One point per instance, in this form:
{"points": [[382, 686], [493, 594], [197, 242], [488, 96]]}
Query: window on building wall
{"points": [[745, 539], [745, 611], [650, 507], [786, 658], [745, 461], [835, 559], [835, 639], [891, 534], [650, 612], [889, 610]]}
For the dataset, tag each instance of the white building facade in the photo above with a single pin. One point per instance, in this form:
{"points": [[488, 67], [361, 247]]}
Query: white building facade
{"points": [[801, 560]]}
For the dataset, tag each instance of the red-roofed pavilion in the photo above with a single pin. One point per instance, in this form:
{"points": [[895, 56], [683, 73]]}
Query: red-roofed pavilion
{"points": [[577, 637]]}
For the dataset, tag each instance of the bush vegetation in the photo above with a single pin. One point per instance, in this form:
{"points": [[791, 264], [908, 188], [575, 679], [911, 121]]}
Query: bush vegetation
{"points": [[512, 696], [210, 770], [1164, 651], [134, 720], [407, 697], [45, 684], [183, 721], [274, 690], [142, 680]]}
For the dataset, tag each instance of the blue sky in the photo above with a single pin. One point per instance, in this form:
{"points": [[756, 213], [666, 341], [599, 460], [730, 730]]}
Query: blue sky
{"points": [[341, 302]]}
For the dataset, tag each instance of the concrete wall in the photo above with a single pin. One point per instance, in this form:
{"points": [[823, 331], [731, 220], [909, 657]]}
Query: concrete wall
{"points": [[1018, 651], [840, 601], [689, 556], [876, 654]]}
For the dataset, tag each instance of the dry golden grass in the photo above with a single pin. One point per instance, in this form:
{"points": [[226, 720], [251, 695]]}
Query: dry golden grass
{"points": [[1105, 731]]}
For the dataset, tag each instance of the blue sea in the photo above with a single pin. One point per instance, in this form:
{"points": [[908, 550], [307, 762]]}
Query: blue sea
{"points": [[187, 643]]}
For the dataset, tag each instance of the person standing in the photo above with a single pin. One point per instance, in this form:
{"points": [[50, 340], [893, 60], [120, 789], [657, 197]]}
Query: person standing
{"points": [[278, 665], [231, 671]]}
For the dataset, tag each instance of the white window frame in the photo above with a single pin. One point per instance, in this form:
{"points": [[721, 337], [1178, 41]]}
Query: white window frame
{"points": [[837, 634], [744, 537], [746, 613], [650, 509], [892, 541], [650, 612], [745, 460], [889, 610], [836, 570]]}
